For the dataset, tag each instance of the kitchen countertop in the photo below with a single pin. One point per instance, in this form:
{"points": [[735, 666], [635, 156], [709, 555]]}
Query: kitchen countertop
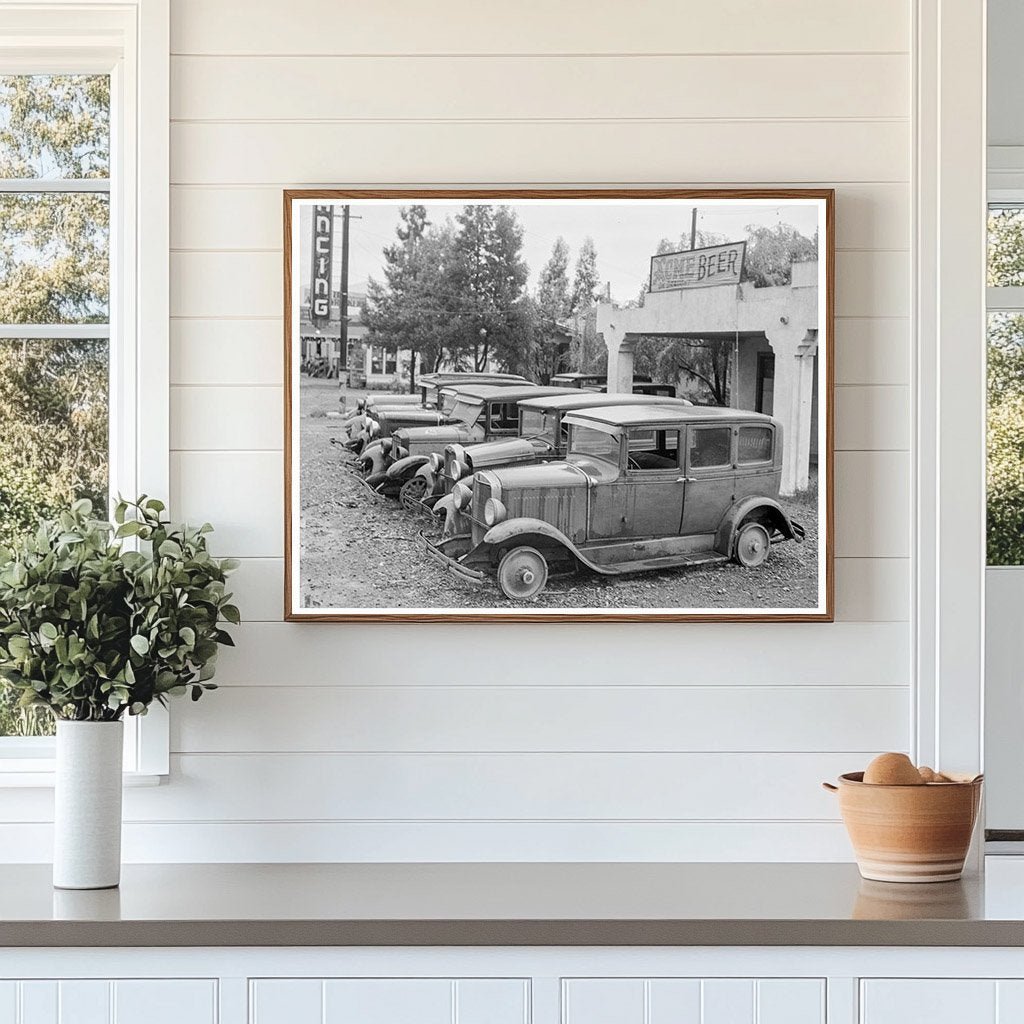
{"points": [[560, 904]]}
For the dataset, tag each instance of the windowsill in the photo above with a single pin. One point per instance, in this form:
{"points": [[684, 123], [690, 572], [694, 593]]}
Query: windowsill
{"points": [[39, 773]]}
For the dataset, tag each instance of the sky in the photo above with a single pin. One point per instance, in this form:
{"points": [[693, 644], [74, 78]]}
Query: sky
{"points": [[625, 232]]}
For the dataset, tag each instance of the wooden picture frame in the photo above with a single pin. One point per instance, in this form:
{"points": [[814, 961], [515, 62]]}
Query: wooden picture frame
{"points": [[813, 351]]}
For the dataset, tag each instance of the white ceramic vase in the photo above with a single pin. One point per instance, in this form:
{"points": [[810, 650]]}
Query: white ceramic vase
{"points": [[87, 811]]}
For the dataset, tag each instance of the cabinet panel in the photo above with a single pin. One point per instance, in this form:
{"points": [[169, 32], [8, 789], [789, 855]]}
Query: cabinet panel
{"points": [[286, 1001], [164, 1002], [388, 1001], [492, 1002], [789, 1001], [102, 1001], [693, 1001], [929, 1001]]}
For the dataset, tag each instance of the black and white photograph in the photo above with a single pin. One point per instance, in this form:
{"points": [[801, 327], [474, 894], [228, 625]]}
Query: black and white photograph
{"points": [[559, 405]]}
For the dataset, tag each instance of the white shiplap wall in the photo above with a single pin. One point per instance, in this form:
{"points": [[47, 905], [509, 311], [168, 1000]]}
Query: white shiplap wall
{"points": [[430, 742]]}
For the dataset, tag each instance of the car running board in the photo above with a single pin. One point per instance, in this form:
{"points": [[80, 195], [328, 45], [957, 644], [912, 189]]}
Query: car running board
{"points": [[665, 562]]}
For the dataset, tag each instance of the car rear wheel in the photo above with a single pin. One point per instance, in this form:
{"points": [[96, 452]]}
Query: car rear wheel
{"points": [[752, 545], [413, 491], [522, 574]]}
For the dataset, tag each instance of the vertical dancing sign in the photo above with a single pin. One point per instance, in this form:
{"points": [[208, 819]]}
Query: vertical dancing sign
{"points": [[320, 281]]}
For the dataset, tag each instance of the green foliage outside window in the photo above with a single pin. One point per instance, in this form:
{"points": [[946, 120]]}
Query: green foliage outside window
{"points": [[1005, 482], [54, 269]]}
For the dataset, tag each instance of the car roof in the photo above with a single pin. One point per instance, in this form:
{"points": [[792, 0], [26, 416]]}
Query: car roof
{"points": [[588, 399], [468, 377], [643, 415], [483, 392]]}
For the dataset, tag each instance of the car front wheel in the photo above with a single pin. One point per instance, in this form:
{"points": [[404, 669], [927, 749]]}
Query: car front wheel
{"points": [[752, 545], [522, 574]]}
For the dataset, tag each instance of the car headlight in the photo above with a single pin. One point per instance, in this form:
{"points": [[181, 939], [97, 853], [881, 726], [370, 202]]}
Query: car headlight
{"points": [[494, 512], [434, 462], [400, 452], [386, 445], [455, 469], [461, 496], [373, 428]]}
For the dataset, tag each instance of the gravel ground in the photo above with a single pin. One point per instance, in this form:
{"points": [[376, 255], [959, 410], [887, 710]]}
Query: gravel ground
{"points": [[359, 552]]}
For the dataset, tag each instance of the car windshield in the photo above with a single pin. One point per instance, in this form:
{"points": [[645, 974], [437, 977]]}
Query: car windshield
{"points": [[429, 395], [595, 444], [466, 412], [537, 423]]}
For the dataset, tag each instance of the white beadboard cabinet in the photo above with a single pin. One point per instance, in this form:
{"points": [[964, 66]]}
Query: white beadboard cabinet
{"points": [[513, 985]]}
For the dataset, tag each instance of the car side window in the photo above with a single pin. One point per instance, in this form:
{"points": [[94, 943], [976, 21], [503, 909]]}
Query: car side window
{"points": [[710, 447], [754, 444], [504, 417], [651, 450]]}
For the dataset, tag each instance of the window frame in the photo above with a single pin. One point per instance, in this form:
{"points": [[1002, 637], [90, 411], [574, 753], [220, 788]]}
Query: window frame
{"points": [[130, 41]]}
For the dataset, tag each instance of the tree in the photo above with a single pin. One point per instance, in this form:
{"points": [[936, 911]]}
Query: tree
{"points": [[585, 281], [552, 307], [771, 253], [486, 283], [390, 308]]}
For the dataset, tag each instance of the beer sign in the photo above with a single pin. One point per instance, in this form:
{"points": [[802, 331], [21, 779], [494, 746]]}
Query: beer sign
{"points": [[320, 280], [698, 268]]}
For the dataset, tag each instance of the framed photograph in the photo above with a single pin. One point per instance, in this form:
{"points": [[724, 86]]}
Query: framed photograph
{"points": [[558, 405]]}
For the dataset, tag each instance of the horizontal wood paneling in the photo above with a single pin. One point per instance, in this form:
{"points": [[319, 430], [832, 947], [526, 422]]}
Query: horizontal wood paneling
{"points": [[867, 589], [241, 493], [867, 284], [534, 26], [873, 506], [452, 786], [369, 718], [579, 654], [872, 350], [332, 841], [690, 741], [246, 352], [236, 418], [872, 418], [538, 88], [872, 216], [567, 151]]}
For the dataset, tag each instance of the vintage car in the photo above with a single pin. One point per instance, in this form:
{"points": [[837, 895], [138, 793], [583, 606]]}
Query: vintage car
{"points": [[542, 437], [482, 412], [642, 488], [430, 389]]}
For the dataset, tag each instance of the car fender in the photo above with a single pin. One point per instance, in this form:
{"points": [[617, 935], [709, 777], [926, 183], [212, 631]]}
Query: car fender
{"points": [[742, 509], [405, 468], [531, 529]]}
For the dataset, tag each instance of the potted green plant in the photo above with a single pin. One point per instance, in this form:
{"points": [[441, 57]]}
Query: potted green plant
{"points": [[99, 620]]}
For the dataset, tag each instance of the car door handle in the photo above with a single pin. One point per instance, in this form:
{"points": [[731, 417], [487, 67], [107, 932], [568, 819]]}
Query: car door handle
{"points": [[686, 480]]}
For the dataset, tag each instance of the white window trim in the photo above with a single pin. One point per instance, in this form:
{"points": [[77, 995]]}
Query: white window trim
{"points": [[949, 448], [131, 41]]}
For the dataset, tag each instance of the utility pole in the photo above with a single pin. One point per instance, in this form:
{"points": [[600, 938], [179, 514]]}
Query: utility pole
{"points": [[343, 302], [693, 228]]}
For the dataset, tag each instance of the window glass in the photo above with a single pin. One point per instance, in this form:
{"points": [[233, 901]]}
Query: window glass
{"points": [[594, 443], [710, 446], [504, 417], [1005, 476], [754, 445], [1006, 246], [466, 412], [652, 449], [54, 126], [537, 423], [54, 271]]}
